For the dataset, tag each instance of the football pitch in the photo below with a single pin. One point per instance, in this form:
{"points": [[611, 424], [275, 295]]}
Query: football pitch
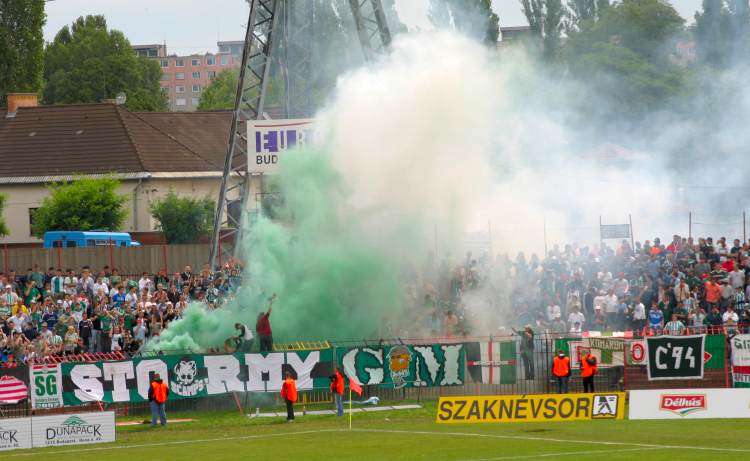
{"points": [[408, 435]]}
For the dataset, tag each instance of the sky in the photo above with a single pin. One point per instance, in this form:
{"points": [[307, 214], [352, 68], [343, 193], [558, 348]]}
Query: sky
{"points": [[194, 26]]}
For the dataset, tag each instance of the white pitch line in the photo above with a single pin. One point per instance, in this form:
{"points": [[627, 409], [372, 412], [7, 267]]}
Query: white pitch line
{"points": [[550, 439], [166, 444], [563, 453], [642, 446]]}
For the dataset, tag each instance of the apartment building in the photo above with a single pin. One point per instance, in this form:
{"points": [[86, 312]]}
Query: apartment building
{"points": [[184, 78]]}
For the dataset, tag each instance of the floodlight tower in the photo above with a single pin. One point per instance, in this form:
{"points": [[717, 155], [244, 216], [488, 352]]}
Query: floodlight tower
{"points": [[240, 188]]}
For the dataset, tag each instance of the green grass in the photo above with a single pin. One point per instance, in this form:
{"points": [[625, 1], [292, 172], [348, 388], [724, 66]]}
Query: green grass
{"points": [[408, 435]]}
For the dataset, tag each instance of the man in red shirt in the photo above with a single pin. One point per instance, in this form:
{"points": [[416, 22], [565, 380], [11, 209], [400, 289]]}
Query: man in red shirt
{"points": [[713, 293], [263, 328], [337, 389], [289, 395]]}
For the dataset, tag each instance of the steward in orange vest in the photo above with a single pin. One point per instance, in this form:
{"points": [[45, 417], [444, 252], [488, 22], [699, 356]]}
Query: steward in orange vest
{"points": [[289, 394], [158, 392], [588, 370], [561, 371], [337, 389]]}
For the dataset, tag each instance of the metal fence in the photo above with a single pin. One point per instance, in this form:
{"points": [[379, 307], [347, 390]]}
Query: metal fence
{"points": [[612, 378], [128, 260]]}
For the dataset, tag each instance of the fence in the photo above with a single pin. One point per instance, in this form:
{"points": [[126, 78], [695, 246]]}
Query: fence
{"points": [[506, 371], [128, 260]]}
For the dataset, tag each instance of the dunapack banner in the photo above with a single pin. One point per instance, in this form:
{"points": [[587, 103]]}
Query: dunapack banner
{"points": [[196, 375]]}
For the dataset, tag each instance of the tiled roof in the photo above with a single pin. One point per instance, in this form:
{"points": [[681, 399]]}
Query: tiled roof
{"points": [[105, 138]]}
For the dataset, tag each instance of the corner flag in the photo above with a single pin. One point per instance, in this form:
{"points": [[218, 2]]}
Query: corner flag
{"points": [[355, 386]]}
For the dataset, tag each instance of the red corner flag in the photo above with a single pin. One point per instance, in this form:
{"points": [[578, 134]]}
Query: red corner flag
{"points": [[355, 386]]}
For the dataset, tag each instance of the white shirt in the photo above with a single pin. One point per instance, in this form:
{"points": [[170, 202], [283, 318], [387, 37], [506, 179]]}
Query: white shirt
{"points": [[248, 333], [610, 304], [730, 317], [639, 313], [71, 285], [737, 278], [145, 283], [18, 321], [553, 311], [576, 317]]}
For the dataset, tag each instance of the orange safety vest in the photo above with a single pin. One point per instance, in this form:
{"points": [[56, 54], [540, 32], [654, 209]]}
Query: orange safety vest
{"points": [[337, 385], [160, 391], [289, 390], [587, 369], [561, 366]]}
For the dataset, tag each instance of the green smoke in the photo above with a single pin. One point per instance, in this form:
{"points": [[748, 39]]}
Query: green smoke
{"points": [[335, 268]]}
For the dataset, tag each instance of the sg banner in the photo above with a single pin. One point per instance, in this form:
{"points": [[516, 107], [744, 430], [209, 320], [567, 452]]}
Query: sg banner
{"points": [[530, 408]]}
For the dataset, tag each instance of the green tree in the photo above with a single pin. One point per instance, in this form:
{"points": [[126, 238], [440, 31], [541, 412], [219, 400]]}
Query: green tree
{"points": [[222, 91], [87, 63], [3, 227], [546, 19], [183, 219], [622, 60], [712, 32], [84, 204], [474, 18], [579, 11], [21, 46]]}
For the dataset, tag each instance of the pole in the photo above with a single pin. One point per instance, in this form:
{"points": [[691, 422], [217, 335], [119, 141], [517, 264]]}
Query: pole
{"points": [[545, 236], [690, 224], [436, 242], [111, 258], [601, 237], [5, 258], [218, 255], [59, 255], [164, 254], [632, 238], [744, 227], [350, 405], [489, 234]]}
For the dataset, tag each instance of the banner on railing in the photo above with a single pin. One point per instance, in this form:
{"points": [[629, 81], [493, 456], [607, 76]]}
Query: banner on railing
{"points": [[192, 376], [195, 375], [402, 366], [741, 360], [608, 350], [45, 385], [675, 357], [492, 362]]}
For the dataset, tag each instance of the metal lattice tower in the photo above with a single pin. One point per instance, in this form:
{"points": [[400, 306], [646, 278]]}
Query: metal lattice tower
{"points": [[267, 19]]}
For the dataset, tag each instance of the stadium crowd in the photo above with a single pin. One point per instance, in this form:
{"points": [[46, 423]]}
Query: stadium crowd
{"points": [[56, 313], [685, 285]]}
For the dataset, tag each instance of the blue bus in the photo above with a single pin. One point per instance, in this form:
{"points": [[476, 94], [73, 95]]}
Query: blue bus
{"points": [[71, 239]]}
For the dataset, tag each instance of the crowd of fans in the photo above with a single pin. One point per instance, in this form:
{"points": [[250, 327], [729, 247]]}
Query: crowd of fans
{"points": [[56, 313], [684, 286]]}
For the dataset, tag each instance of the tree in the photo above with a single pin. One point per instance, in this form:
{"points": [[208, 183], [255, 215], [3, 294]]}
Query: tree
{"points": [[622, 61], [222, 91], [87, 63], [579, 11], [21, 46], [474, 18], [183, 219], [545, 18], [84, 204], [3, 227]]}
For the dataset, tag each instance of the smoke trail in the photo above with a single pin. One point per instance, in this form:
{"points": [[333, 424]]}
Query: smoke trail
{"points": [[359, 211]]}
